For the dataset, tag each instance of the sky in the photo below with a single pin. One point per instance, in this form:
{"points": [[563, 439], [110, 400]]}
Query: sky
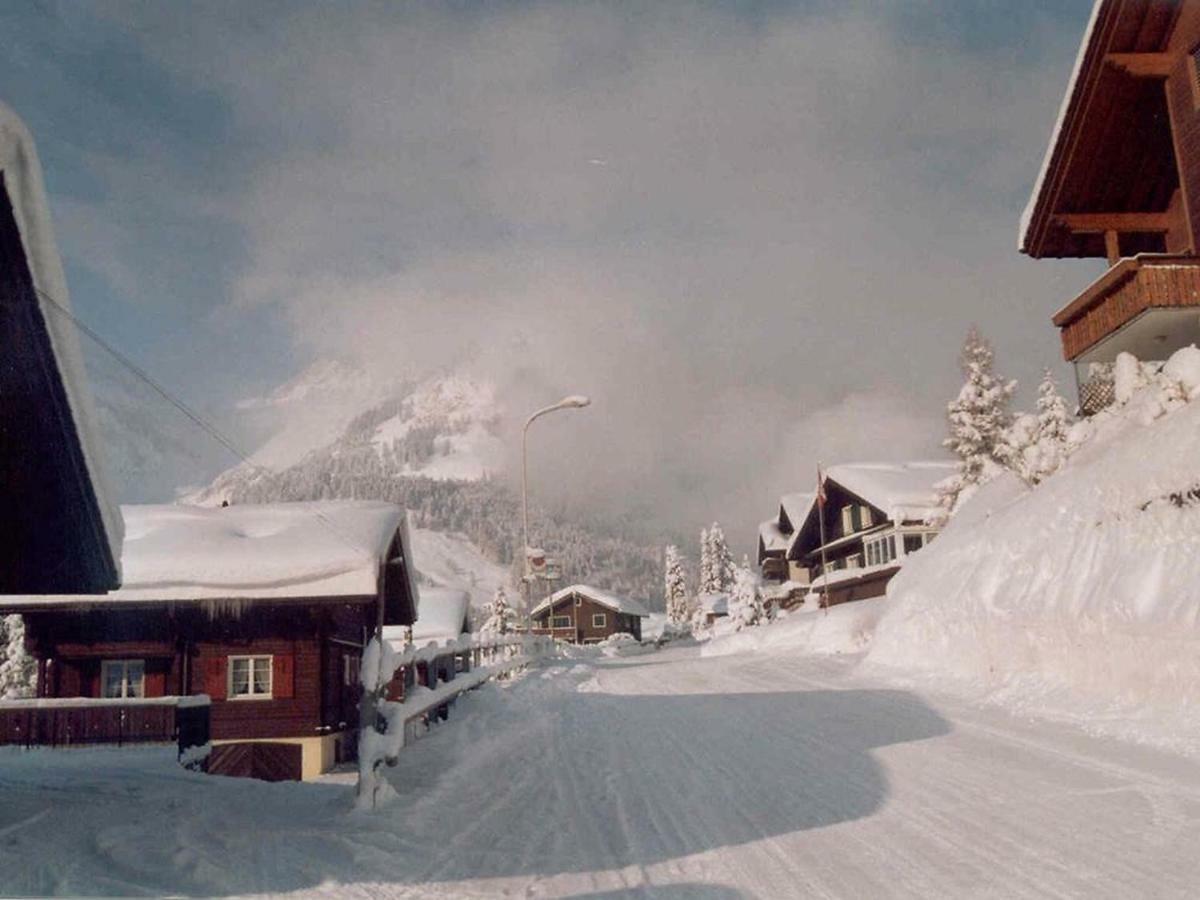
{"points": [[754, 233]]}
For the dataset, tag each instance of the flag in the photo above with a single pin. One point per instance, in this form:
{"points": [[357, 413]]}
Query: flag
{"points": [[820, 487]]}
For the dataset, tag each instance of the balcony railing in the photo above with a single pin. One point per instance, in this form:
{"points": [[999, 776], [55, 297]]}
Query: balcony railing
{"points": [[1146, 281], [83, 721]]}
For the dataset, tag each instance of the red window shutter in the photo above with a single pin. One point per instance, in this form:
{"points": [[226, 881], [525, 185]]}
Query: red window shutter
{"points": [[283, 676], [214, 677], [155, 684]]}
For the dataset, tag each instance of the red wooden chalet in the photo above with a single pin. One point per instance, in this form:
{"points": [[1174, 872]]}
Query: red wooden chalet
{"points": [[1121, 182], [266, 609]]}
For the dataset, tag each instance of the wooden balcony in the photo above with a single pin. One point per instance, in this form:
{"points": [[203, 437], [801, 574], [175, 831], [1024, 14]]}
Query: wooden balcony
{"points": [[84, 721], [1120, 295]]}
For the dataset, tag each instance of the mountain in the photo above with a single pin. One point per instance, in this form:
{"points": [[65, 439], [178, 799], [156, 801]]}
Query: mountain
{"points": [[434, 446]]}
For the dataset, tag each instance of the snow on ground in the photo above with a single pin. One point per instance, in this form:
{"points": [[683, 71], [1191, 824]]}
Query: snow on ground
{"points": [[450, 560], [1080, 597], [763, 774]]}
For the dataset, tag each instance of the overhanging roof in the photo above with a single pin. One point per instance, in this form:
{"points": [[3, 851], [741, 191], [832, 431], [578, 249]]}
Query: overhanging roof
{"points": [[1110, 151]]}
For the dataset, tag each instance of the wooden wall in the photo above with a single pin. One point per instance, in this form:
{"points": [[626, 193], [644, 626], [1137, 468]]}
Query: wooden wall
{"points": [[1182, 103], [581, 617]]}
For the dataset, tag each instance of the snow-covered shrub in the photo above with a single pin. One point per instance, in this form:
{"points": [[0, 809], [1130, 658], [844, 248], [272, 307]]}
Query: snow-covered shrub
{"points": [[746, 602], [1038, 445], [501, 616], [18, 670]]}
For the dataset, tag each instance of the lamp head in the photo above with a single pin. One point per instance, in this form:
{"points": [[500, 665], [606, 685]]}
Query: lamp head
{"points": [[575, 401]]}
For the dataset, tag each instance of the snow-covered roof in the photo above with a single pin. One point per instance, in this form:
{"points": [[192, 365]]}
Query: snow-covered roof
{"points": [[1060, 122], [796, 506], [329, 548], [443, 613], [837, 576], [771, 537], [903, 491], [717, 604], [604, 598], [22, 176]]}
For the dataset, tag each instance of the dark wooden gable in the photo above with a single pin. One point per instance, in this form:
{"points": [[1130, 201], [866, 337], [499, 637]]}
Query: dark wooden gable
{"points": [[52, 537], [810, 532]]}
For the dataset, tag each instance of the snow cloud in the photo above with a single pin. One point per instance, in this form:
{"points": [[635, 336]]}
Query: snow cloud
{"points": [[754, 233]]}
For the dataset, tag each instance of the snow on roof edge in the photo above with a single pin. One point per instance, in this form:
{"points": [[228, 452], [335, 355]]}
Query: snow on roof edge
{"points": [[1072, 83], [26, 190], [605, 598]]}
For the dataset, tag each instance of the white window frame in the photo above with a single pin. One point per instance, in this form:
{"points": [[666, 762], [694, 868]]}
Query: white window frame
{"points": [[603, 617], [351, 669], [566, 620], [579, 601], [109, 664], [866, 519], [848, 519], [253, 695]]}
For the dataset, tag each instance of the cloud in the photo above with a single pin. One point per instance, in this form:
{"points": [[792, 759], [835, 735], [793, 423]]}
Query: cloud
{"points": [[720, 222]]}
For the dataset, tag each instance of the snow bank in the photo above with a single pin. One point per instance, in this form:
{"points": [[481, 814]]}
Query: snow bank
{"points": [[845, 628], [1081, 596]]}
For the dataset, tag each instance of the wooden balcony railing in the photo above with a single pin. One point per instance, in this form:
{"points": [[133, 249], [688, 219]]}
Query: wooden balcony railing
{"points": [[1130, 287], [83, 721]]}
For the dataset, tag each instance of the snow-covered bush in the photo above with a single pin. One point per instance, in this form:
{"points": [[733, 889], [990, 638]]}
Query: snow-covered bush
{"points": [[18, 670], [746, 602], [501, 616], [1038, 445]]}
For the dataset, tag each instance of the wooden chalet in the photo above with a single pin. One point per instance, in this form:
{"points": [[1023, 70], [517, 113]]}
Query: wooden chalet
{"points": [[61, 530], [774, 537], [266, 609], [581, 614], [1121, 182], [875, 515]]}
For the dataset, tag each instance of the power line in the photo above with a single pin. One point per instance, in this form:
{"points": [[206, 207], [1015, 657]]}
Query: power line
{"points": [[202, 423]]}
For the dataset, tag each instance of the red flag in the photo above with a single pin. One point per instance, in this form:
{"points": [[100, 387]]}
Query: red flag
{"points": [[820, 487]]}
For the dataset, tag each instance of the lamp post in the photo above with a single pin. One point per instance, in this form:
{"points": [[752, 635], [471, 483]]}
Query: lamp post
{"points": [[574, 401]]}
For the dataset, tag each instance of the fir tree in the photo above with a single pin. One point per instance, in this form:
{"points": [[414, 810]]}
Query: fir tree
{"points": [[18, 671], [706, 564], [1047, 451], [675, 586], [500, 614], [716, 562], [978, 419]]}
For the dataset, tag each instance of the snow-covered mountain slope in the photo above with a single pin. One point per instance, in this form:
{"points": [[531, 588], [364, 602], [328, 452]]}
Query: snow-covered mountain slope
{"points": [[336, 416], [1081, 595], [449, 560]]}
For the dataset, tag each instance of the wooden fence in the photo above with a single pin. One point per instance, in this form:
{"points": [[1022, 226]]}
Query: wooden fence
{"points": [[408, 688], [86, 721]]}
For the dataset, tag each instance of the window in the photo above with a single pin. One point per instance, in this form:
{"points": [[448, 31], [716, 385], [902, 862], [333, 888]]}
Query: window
{"points": [[865, 516], [880, 551], [561, 622], [578, 601], [912, 543], [599, 620], [854, 562], [847, 520], [123, 678], [250, 677]]}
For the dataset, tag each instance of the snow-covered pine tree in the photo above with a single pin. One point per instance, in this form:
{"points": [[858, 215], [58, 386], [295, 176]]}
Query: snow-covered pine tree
{"points": [[18, 671], [675, 586], [745, 602], [500, 614], [706, 564], [720, 560], [1054, 424], [978, 420]]}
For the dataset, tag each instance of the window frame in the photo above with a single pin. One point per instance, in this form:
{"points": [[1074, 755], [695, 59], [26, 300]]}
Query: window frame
{"points": [[107, 664], [603, 617], [230, 694], [564, 619]]}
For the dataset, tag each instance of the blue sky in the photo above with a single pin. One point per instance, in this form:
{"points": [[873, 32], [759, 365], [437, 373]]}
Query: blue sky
{"points": [[764, 209]]}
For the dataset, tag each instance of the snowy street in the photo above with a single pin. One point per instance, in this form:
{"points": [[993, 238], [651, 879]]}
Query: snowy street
{"points": [[664, 774]]}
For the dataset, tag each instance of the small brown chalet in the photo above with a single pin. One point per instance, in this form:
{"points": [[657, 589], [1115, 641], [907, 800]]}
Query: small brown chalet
{"points": [[1121, 182], [266, 609], [60, 530], [776, 535], [875, 515], [581, 614]]}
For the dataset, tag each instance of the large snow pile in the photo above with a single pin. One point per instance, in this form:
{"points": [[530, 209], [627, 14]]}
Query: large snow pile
{"points": [[1082, 595], [844, 628]]}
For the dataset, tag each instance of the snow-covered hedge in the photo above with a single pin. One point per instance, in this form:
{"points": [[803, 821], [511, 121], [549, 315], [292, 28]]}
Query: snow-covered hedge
{"points": [[1081, 595]]}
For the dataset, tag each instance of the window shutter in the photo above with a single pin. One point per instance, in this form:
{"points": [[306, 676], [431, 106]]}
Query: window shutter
{"points": [[867, 520], [214, 677], [155, 684], [283, 676]]}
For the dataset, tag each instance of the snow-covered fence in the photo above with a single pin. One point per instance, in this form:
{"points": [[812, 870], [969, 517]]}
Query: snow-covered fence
{"points": [[403, 688], [85, 721]]}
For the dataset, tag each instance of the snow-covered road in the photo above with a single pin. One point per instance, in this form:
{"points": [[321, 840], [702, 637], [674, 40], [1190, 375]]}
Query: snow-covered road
{"points": [[666, 775]]}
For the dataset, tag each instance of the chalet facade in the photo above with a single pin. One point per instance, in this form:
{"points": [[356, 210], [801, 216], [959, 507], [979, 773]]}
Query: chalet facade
{"points": [[580, 614], [875, 515], [266, 609], [61, 529], [1121, 182], [776, 535]]}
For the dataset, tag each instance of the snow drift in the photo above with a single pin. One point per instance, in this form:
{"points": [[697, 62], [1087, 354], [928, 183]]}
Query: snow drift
{"points": [[1082, 595]]}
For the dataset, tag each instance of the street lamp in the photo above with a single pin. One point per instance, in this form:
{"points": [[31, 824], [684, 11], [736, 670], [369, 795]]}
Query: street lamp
{"points": [[574, 401]]}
